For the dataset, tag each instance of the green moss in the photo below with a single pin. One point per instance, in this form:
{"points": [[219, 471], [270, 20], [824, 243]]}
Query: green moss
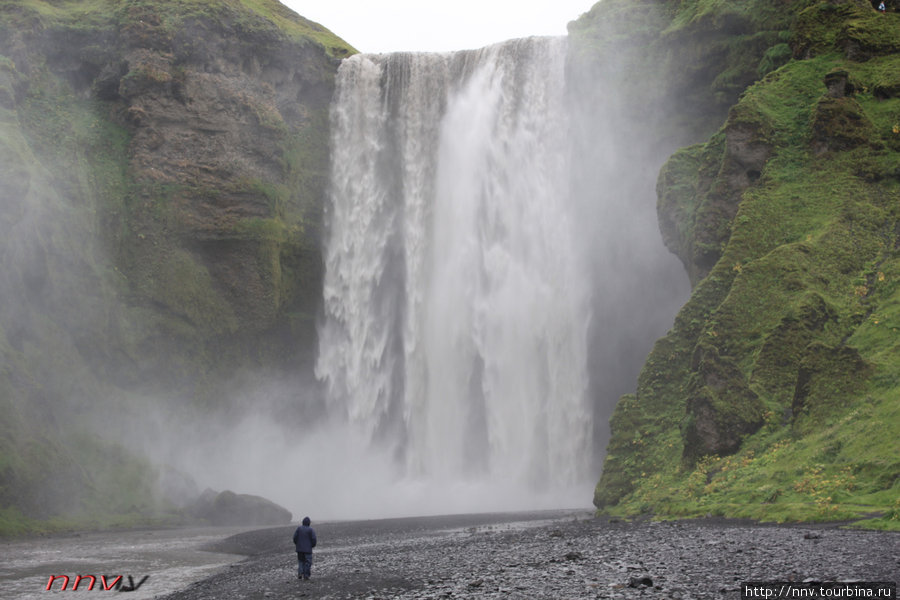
{"points": [[793, 327], [248, 17], [818, 25], [773, 58], [869, 34], [89, 15], [137, 16], [778, 478], [721, 409], [104, 291], [185, 288], [678, 189], [299, 28], [261, 229]]}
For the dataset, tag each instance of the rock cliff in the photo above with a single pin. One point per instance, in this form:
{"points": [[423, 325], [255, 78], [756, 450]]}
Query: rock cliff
{"points": [[163, 167], [774, 395]]}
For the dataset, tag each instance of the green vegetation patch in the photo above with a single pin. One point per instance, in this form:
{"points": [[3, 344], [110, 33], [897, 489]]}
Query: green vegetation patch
{"points": [[299, 28], [799, 314], [137, 18], [105, 271]]}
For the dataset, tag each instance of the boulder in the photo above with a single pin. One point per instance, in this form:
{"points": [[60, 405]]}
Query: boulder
{"points": [[228, 508]]}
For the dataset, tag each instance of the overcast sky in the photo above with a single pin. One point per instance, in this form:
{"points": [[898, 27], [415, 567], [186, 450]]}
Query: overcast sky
{"points": [[428, 25]]}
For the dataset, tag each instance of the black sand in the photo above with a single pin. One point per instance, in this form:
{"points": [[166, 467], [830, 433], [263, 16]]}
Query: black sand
{"points": [[545, 555]]}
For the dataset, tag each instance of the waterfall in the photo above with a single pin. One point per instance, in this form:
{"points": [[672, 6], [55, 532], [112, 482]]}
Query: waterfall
{"points": [[456, 306]]}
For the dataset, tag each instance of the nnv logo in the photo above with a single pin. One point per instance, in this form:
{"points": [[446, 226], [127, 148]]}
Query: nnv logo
{"points": [[107, 584]]}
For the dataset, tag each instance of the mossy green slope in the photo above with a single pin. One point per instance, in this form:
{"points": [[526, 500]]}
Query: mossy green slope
{"points": [[108, 16], [776, 394], [688, 60], [161, 188]]}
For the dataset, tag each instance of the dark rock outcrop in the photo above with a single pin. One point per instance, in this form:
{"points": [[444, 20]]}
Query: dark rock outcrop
{"points": [[721, 408], [228, 508], [695, 213]]}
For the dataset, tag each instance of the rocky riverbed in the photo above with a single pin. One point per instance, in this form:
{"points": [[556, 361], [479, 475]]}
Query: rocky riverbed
{"points": [[546, 555]]}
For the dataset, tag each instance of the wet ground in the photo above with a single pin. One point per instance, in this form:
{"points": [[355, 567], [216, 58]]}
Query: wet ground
{"points": [[169, 559], [545, 555]]}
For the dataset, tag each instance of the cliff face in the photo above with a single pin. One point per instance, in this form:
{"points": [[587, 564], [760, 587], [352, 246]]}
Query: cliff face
{"points": [[775, 394], [163, 167]]}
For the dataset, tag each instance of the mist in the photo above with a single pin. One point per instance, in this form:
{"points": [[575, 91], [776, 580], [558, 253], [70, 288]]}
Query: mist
{"points": [[330, 471], [494, 271], [494, 279]]}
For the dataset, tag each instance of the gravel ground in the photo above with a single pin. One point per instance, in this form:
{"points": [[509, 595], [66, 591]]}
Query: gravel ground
{"points": [[545, 555]]}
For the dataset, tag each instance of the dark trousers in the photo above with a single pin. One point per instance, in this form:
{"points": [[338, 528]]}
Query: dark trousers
{"points": [[304, 564]]}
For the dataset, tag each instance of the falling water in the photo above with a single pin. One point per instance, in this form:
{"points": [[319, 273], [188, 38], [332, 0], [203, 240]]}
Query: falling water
{"points": [[456, 306]]}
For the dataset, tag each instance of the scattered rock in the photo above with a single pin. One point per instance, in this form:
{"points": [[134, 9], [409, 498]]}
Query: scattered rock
{"points": [[640, 582], [369, 560]]}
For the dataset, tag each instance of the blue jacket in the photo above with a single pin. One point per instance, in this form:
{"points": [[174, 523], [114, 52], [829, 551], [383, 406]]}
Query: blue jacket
{"points": [[305, 539]]}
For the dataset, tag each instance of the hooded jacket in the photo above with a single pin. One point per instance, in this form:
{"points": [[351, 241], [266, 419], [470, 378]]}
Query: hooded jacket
{"points": [[305, 537]]}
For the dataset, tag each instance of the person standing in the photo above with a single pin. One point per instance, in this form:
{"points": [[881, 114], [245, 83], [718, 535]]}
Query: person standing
{"points": [[305, 541]]}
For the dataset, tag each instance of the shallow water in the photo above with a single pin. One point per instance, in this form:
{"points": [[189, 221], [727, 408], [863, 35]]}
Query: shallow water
{"points": [[170, 558]]}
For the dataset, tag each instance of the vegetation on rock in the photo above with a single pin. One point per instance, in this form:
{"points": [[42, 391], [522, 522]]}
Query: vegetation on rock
{"points": [[162, 165], [162, 180], [775, 395]]}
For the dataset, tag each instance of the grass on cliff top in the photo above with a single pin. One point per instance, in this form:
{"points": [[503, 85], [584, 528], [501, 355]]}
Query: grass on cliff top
{"points": [[768, 14], [82, 13], [102, 14], [299, 27]]}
